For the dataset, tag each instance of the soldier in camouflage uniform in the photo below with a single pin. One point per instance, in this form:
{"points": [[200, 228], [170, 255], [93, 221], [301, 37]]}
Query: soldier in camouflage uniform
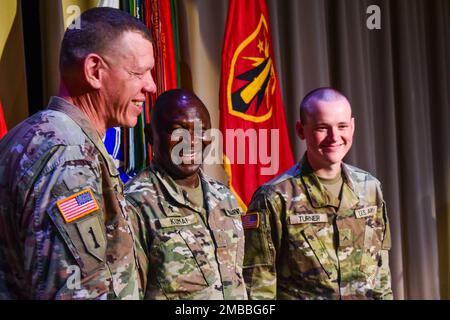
{"points": [[64, 231], [190, 225], [319, 230]]}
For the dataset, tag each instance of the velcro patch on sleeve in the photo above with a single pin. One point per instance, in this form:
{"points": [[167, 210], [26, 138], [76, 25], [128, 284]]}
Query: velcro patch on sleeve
{"points": [[77, 205], [250, 220]]}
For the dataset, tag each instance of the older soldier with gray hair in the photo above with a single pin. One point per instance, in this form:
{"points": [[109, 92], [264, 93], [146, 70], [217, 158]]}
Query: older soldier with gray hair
{"points": [[319, 230], [64, 229], [190, 224]]}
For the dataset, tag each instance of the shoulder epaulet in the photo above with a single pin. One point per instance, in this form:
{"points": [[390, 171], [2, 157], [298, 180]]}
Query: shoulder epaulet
{"points": [[146, 177], [216, 183], [290, 173], [65, 131], [358, 174]]}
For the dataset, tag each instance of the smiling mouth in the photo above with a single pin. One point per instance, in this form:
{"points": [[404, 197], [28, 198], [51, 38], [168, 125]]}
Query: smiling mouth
{"points": [[191, 158], [332, 146]]}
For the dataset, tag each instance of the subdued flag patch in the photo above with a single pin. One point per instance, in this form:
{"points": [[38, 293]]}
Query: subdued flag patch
{"points": [[250, 220], [77, 205]]}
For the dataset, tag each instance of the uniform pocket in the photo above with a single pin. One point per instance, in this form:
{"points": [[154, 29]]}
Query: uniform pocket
{"points": [[84, 237], [372, 246], [308, 252], [230, 247], [199, 255], [75, 209]]}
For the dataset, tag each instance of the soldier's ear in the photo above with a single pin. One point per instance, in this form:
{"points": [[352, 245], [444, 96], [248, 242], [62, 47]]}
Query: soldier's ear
{"points": [[93, 67], [300, 130]]}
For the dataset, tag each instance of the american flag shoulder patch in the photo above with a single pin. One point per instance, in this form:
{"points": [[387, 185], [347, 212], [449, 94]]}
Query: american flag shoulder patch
{"points": [[77, 205], [250, 220]]}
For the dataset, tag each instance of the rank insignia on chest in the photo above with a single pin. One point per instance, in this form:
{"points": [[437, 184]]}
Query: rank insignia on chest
{"points": [[250, 220], [365, 212], [233, 212], [77, 205]]}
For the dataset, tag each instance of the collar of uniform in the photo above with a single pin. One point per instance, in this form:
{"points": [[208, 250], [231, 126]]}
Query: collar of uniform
{"points": [[62, 105], [317, 193], [172, 187], [210, 188], [349, 198], [319, 196], [169, 184], [212, 198]]}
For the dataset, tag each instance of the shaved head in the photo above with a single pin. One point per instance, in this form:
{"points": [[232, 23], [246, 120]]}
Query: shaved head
{"points": [[320, 94], [327, 126], [174, 110]]}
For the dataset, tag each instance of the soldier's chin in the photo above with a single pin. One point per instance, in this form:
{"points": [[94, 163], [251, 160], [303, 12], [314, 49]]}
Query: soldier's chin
{"points": [[335, 157]]}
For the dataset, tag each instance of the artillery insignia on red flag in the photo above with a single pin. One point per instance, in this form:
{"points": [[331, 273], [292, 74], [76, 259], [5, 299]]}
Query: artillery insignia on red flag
{"points": [[251, 108]]}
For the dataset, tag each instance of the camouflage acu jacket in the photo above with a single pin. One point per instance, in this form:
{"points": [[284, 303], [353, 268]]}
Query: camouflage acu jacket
{"points": [[192, 253], [63, 231], [301, 244]]}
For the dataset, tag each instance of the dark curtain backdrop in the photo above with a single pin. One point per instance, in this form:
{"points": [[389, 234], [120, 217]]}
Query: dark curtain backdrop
{"points": [[397, 80]]}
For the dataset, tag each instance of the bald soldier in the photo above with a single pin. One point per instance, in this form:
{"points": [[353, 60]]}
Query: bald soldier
{"points": [[190, 224], [319, 230], [64, 229]]}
